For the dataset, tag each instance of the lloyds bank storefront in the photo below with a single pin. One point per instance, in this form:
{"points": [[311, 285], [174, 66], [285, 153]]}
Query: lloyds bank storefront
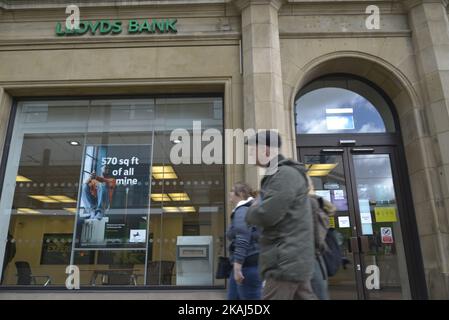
{"points": [[88, 113]]}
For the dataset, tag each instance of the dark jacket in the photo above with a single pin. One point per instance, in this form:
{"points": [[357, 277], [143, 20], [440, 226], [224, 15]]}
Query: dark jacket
{"points": [[243, 238], [10, 251], [322, 210], [287, 250]]}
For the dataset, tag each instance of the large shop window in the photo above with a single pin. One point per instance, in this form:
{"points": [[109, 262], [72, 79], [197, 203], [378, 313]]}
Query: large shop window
{"points": [[90, 183]]}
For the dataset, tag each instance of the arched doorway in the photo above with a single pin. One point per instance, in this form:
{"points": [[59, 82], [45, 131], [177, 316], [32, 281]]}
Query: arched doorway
{"points": [[348, 136]]}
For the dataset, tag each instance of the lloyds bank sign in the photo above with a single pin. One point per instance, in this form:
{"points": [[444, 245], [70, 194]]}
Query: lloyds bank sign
{"points": [[109, 27]]}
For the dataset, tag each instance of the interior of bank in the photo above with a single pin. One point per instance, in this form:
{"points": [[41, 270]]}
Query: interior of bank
{"points": [[183, 203]]}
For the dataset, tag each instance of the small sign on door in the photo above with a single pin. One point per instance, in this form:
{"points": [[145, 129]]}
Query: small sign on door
{"points": [[343, 222], [386, 235]]}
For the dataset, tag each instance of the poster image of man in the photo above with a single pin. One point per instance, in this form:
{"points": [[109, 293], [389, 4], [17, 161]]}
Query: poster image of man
{"points": [[113, 196], [97, 193]]}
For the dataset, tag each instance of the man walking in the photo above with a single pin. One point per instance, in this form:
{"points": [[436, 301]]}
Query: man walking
{"points": [[284, 213]]}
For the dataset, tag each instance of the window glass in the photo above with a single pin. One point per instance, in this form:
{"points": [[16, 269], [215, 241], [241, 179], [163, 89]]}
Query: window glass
{"points": [[90, 183], [340, 105]]}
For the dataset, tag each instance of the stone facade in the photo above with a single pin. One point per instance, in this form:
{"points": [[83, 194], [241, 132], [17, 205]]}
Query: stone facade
{"points": [[259, 53]]}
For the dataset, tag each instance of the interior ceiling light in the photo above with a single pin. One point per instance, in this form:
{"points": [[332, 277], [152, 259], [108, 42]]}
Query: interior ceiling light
{"points": [[161, 176], [44, 199], [170, 209], [163, 172], [160, 197], [187, 209], [163, 169], [22, 179], [179, 196], [27, 210], [53, 199], [323, 166], [318, 173], [63, 199], [74, 143]]}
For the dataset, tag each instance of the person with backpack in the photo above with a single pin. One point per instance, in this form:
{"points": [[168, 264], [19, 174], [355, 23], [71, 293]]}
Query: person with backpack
{"points": [[284, 213], [244, 280], [321, 209]]}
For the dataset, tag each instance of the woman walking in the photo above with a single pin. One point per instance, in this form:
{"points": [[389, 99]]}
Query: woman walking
{"points": [[244, 281]]}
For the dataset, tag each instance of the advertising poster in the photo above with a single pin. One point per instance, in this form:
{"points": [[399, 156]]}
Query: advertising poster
{"points": [[344, 222], [385, 214], [365, 217], [339, 200], [114, 196]]}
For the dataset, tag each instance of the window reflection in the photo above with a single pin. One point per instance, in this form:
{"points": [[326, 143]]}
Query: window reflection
{"points": [[339, 105]]}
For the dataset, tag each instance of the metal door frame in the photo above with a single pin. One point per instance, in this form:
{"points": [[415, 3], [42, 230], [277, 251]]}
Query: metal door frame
{"points": [[375, 144]]}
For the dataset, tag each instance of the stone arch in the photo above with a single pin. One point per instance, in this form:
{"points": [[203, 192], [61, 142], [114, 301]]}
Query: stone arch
{"points": [[404, 94]]}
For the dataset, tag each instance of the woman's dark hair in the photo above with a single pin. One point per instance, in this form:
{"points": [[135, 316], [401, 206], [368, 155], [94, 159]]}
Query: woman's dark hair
{"points": [[243, 190]]}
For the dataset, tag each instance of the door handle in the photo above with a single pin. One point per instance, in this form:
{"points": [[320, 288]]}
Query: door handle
{"points": [[362, 149], [354, 244], [346, 142], [364, 244], [359, 244], [332, 150]]}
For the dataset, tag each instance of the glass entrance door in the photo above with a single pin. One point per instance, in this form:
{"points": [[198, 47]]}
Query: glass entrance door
{"points": [[363, 186]]}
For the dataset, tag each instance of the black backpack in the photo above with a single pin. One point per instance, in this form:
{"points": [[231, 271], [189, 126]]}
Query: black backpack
{"points": [[332, 255]]}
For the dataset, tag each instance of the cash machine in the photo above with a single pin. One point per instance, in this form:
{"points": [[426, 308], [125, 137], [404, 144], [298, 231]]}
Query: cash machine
{"points": [[194, 260]]}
